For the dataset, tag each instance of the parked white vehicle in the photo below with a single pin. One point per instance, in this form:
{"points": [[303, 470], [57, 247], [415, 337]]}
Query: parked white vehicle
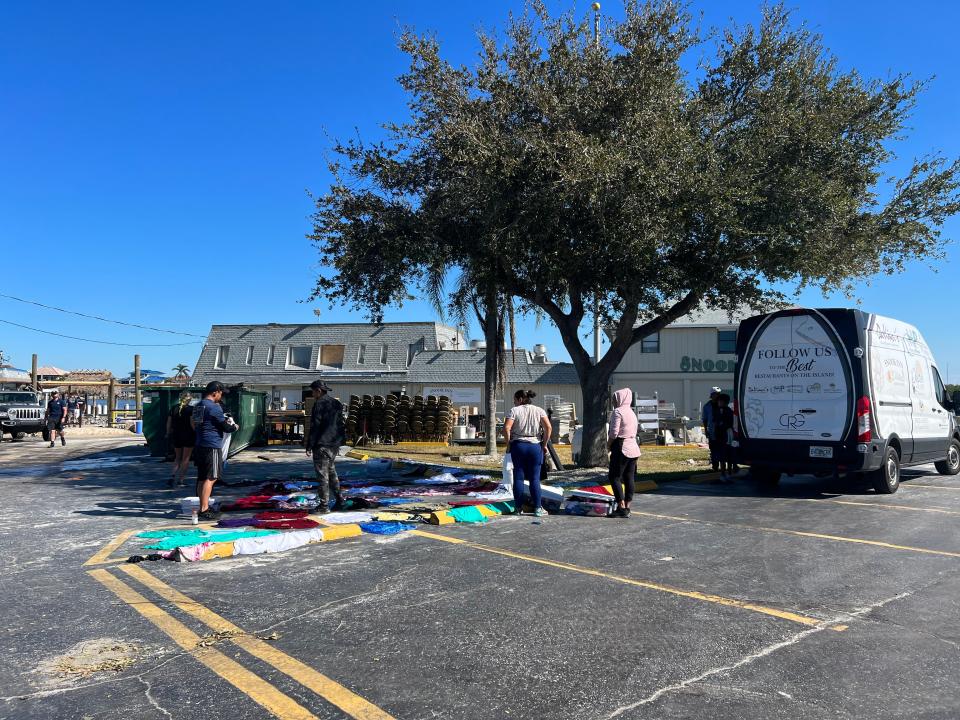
{"points": [[834, 391]]}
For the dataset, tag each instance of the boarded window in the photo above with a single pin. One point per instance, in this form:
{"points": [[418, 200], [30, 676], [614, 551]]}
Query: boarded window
{"points": [[223, 354], [299, 357], [650, 344], [331, 356]]}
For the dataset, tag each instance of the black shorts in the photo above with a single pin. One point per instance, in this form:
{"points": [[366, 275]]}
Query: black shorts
{"points": [[209, 462]]}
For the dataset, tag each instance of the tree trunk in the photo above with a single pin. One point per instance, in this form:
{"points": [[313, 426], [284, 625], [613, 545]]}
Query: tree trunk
{"points": [[490, 370], [595, 386]]}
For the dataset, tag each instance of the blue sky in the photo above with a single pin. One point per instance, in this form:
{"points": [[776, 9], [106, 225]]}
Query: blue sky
{"points": [[155, 157]]}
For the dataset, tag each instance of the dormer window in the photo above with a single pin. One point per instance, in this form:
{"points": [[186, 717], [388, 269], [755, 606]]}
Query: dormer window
{"points": [[298, 357], [223, 354]]}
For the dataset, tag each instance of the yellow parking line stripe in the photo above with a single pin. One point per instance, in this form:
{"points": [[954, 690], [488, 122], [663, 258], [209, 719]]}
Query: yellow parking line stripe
{"points": [[692, 594], [255, 687], [929, 487], [891, 507], [801, 533], [103, 554], [331, 691]]}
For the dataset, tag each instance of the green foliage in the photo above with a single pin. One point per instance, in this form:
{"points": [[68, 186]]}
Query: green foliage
{"points": [[575, 175]]}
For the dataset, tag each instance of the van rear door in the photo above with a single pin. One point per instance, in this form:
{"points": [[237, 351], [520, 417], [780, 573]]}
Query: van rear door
{"points": [[796, 384]]}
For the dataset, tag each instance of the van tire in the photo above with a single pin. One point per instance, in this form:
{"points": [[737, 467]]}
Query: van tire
{"points": [[951, 465], [886, 478], [765, 477]]}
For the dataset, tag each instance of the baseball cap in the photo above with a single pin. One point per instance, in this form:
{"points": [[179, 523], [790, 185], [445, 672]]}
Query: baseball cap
{"points": [[716, 390], [320, 385], [214, 386]]}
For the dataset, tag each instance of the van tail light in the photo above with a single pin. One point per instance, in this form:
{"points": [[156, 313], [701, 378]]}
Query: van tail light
{"points": [[864, 434], [736, 419]]}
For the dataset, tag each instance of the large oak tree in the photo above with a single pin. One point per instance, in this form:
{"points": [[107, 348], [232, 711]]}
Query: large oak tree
{"points": [[619, 177]]}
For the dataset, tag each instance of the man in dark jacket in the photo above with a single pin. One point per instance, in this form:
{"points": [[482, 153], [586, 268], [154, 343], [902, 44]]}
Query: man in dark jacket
{"points": [[327, 434]]}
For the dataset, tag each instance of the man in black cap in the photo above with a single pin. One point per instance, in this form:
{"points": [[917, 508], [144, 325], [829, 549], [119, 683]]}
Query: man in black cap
{"points": [[327, 434], [210, 424], [56, 416]]}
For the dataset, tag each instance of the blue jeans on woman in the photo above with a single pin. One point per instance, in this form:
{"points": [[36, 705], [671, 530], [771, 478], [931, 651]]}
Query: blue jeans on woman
{"points": [[527, 460]]}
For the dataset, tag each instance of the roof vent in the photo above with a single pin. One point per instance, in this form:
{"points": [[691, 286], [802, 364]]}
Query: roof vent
{"points": [[478, 345], [540, 353]]}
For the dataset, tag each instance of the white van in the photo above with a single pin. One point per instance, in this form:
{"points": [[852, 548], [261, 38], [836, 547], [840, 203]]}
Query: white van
{"points": [[837, 391]]}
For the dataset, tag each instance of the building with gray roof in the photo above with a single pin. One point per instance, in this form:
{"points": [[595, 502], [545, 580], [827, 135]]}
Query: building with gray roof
{"points": [[368, 359]]}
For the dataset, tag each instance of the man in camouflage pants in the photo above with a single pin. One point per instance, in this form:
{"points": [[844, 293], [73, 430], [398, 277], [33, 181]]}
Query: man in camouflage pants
{"points": [[327, 434]]}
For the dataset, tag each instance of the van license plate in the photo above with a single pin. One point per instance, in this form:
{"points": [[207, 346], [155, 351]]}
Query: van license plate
{"points": [[821, 452]]}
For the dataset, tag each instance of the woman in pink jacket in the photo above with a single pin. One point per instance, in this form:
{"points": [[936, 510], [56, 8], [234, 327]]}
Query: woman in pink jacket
{"points": [[624, 450]]}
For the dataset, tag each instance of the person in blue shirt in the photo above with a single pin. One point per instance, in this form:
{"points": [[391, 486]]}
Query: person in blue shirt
{"points": [[210, 424], [709, 416], [56, 415]]}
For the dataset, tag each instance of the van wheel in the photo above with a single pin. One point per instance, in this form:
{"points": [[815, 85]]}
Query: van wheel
{"points": [[765, 477], [886, 479], [950, 466]]}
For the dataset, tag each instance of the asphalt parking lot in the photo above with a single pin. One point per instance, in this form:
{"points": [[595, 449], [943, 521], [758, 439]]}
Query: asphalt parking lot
{"points": [[821, 600]]}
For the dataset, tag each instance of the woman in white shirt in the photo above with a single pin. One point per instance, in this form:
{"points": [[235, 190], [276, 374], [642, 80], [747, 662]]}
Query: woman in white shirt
{"points": [[527, 430]]}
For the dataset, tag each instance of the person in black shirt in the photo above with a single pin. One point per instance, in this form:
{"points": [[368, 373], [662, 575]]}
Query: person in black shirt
{"points": [[327, 434], [182, 436], [56, 414], [723, 435]]}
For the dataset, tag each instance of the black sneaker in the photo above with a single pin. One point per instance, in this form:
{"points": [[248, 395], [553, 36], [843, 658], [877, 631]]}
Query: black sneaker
{"points": [[63, 440], [208, 515], [52, 443]]}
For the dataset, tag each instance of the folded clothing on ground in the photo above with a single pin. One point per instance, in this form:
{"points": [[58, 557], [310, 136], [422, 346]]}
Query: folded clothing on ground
{"points": [[170, 539]]}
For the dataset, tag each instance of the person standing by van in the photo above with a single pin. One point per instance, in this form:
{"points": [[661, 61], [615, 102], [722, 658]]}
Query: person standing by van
{"points": [[181, 436], [624, 451], [527, 431], [709, 413], [721, 442]]}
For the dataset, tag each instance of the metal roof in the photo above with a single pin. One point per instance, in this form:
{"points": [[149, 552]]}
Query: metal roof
{"points": [[401, 340], [466, 366]]}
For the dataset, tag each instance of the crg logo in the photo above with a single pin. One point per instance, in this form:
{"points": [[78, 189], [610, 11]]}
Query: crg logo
{"points": [[792, 422]]}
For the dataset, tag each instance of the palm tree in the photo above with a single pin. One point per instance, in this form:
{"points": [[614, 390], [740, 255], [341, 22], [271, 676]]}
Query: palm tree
{"points": [[180, 371]]}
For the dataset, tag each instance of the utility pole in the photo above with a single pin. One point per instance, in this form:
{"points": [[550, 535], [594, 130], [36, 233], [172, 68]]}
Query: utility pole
{"points": [[136, 385], [34, 377], [596, 313]]}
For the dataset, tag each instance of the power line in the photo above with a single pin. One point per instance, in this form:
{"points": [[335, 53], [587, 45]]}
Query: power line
{"points": [[101, 342], [103, 319]]}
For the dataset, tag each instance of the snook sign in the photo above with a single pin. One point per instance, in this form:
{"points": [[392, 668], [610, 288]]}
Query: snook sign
{"points": [[692, 364]]}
